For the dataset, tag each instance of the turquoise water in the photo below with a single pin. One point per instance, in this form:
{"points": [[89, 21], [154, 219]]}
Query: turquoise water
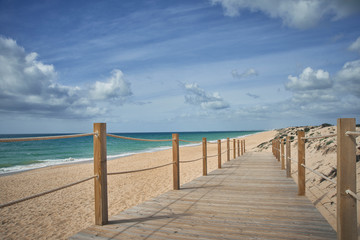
{"points": [[19, 156]]}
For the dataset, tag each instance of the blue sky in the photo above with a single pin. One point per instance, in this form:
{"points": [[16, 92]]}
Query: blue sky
{"points": [[177, 65]]}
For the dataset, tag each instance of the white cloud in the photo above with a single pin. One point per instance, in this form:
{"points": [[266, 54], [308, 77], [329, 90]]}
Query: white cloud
{"points": [[294, 13], [309, 80], [348, 78], [115, 88], [247, 73], [29, 86], [314, 95], [355, 46], [197, 96]]}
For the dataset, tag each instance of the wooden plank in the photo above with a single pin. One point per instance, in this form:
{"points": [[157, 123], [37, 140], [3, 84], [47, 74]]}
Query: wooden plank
{"points": [[247, 198]]}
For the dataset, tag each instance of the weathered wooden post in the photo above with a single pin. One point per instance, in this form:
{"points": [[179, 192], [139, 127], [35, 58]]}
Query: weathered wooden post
{"points": [[346, 180], [234, 145], [275, 146], [288, 156], [228, 148], [244, 146], [240, 147], [278, 150], [272, 147], [301, 160], [238, 141], [282, 155], [204, 147], [176, 159], [219, 153], [100, 182]]}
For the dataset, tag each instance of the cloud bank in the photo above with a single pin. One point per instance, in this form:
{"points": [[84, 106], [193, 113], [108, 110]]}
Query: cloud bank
{"points": [[309, 80], [30, 86], [355, 46], [197, 96], [300, 14], [317, 93]]}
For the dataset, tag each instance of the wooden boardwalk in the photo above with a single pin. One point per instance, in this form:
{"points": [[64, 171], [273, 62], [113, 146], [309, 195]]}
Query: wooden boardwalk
{"points": [[249, 198]]}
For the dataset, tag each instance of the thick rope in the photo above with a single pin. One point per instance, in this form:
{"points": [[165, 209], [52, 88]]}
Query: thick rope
{"points": [[351, 193], [189, 161], [319, 174], [224, 152], [139, 139], [352, 133], [189, 141], [44, 193], [141, 170], [212, 156], [45, 138]]}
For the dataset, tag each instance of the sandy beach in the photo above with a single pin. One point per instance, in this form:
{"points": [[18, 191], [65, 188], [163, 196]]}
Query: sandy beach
{"points": [[61, 214]]}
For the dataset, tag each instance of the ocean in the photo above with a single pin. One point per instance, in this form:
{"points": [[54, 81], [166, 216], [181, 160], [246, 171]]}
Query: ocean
{"points": [[21, 156]]}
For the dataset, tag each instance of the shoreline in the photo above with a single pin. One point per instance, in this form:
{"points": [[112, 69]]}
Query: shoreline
{"points": [[115, 157]]}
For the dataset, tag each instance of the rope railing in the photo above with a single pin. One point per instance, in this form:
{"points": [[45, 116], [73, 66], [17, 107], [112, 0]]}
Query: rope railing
{"points": [[346, 172], [46, 192], [139, 139], [319, 174], [188, 141], [352, 133], [293, 160], [45, 138], [100, 165], [189, 161], [140, 170], [351, 193]]}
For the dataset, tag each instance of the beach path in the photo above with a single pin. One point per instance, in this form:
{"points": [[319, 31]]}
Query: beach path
{"points": [[250, 197]]}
